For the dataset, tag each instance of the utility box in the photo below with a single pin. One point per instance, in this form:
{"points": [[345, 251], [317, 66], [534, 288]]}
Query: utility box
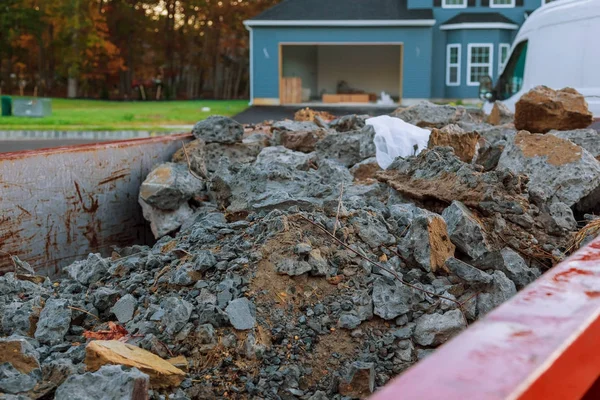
{"points": [[32, 107], [6, 106]]}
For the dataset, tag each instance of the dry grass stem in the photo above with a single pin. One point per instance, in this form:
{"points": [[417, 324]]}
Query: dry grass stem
{"points": [[337, 215], [187, 158]]}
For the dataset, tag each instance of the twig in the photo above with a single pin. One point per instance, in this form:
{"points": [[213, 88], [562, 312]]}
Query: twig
{"points": [[337, 215], [379, 265], [83, 311], [187, 158]]}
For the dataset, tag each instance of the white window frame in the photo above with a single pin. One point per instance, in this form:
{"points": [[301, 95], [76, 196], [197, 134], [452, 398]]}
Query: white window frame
{"points": [[489, 64], [511, 5], [463, 5], [501, 64], [457, 64]]}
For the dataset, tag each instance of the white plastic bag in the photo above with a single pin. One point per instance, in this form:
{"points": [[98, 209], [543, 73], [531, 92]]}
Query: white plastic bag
{"points": [[396, 138]]}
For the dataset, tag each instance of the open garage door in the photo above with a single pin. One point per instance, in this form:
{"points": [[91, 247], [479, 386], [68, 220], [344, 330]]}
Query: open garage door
{"points": [[339, 73]]}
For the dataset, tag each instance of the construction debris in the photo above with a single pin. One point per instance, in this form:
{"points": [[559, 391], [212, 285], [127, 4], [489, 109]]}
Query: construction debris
{"points": [[289, 266]]}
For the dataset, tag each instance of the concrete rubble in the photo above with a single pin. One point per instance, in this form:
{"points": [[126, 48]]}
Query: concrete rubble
{"points": [[295, 269]]}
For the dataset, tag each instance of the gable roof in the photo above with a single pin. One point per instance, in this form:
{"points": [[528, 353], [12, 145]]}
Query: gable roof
{"points": [[488, 17], [342, 10]]}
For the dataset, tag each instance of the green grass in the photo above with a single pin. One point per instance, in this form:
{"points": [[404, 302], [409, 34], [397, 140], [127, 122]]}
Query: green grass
{"points": [[69, 114]]}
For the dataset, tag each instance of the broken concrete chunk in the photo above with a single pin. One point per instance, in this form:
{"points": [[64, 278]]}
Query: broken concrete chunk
{"points": [[204, 260], [176, 314], [427, 243], [124, 308], [429, 115], [55, 320], [489, 156], [467, 272], [372, 230], [241, 313], [292, 267], [359, 381], [278, 155], [500, 114], [218, 129], [501, 289], [391, 298], [543, 109], [304, 141], [319, 264], [466, 230], [19, 353], [348, 321], [365, 170], [348, 148], [511, 264], [195, 159], [109, 382], [164, 222], [104, 298], [349, 123], [555, 166], [465, 144], [14, 381], [436, 329], [112, 352], [589, 139], [168, 186], [243, 153], [88, 271]]}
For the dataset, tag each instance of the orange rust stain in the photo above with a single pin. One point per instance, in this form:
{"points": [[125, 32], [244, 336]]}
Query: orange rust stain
{"points": [[113, 178], [522, 333], [24, 210], [571, 272], [592, 293], [94, 202]]}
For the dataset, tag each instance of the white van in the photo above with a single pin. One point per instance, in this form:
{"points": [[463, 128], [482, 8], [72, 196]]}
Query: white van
{"points": [[557, 46]]}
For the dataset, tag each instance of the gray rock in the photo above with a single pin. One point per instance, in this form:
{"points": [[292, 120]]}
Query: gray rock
{"points": [[204, 260], [253, 350], [280, 156], [359, 381], [349, 123], [465, 230], [302, 248], [217, 153], [218, 129], [391, 298], [113, 382], [348, 321], [363, 305], [500, 291], [193, 157], [511, 264], [16, 316], [490, 155], [348, 148], [54, 322], [12, 381], [205, 334], [104, 298], [429, 115], [318, 263], [589, 139], [168, 186], [22, 355], [295, 126], [241, 313], [124, 308], [165, 222], [184, 276], [562, 170], [176, 314], [372, 229], [291, 267], [557, 219], [88, 271], [211, 314], [319, 395], [467, 272], [436, 329]]}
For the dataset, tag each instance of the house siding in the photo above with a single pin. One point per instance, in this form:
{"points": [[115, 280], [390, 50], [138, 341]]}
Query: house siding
{"points": [[417, 53]]}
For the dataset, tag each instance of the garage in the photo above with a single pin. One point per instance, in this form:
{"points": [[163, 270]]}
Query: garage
{"points": [[339, 72]]}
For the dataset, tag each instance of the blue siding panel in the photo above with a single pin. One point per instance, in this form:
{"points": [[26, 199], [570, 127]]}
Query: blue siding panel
{"points": [[417, 53]]}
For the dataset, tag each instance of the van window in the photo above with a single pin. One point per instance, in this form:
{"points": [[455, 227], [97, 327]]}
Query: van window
{"points": [[511, 80]]}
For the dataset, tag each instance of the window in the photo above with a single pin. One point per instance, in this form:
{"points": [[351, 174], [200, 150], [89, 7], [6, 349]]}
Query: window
{"points": [[544, 2], [454, 3], [511, 80], [503, 56], [479, 62], [502, 3], [453, 65]]}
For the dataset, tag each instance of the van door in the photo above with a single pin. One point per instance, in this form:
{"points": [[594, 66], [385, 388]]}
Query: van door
{"points": [[509, 87], [590, 85]]}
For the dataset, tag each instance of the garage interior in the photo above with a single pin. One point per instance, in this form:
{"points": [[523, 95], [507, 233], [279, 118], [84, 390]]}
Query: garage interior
{"points": [[339, 73]]}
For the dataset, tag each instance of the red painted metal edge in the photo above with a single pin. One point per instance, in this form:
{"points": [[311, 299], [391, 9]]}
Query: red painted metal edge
{"points": [[544, 343], [99, 145]]}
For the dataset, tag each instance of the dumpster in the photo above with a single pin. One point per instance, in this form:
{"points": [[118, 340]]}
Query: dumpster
{"points": [[32, 107], [6, 106]]}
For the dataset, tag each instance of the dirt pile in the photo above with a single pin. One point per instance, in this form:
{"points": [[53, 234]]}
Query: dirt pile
{"points": [[287, 274]]}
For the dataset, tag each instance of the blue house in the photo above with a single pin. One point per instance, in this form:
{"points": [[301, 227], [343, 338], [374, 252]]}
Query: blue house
{"points": [[411, 49]]}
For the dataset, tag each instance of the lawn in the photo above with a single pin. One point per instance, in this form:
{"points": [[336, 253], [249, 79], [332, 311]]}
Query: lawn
{"points": [[69, 114]]}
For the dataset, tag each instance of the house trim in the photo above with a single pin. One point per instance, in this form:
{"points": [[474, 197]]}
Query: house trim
{"points": [[489, 64], [511, 5], [264, 101], [448, 64], [251, 71], [463, 5], [333, 23], [501, 65], [480, 25]]}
